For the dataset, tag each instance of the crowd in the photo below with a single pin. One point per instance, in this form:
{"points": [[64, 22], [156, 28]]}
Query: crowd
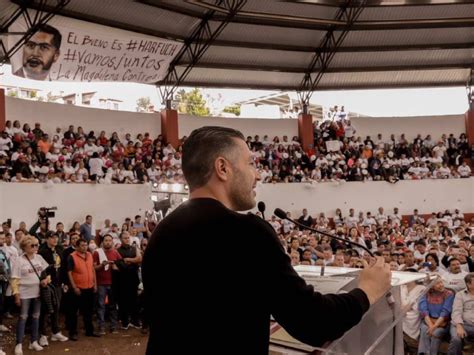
{"points": [[44, 270], [31, 155], [440, 244], [338, 154]]}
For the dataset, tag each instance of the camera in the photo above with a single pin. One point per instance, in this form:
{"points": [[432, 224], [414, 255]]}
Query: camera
{"points": [[47, 212]]}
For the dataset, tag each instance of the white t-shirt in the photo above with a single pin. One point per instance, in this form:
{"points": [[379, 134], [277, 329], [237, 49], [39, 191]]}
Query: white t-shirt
{"points": [[439, 151], [276, 225], [95, 165], [412, 320], [454, 281], [381, 218], [5, 143], [464, 170], [11, 252], [29, 281], [352, 221], [349, 131]]}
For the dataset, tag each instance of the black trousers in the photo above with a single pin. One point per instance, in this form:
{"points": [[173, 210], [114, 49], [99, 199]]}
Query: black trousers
{"points": [[83, 303], [54, 317], [128, 301]]}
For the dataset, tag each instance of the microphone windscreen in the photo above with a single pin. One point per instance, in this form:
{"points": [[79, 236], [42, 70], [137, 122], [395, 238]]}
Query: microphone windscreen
{"points": [[280, 213], [261, 206]]}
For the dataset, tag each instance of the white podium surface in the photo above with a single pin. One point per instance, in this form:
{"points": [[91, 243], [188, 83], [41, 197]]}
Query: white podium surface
{"points": [[374, 326]]}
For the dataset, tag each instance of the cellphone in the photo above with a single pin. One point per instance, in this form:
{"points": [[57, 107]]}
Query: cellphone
{"points": [[428, 264]]}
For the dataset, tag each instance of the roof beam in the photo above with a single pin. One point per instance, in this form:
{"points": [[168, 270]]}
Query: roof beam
{"points": [[347, 49], [363, 86], [278, 20], [198, 42], [387, 3], [330, 43], [361, 69]]}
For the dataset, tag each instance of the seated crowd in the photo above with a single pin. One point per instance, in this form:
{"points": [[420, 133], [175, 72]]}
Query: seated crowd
{"points": [[339, 155], [441, 244], [31, 155], [43, 271]]}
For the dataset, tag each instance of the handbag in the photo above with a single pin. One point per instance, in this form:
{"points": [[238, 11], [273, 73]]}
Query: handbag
{"points": [[47, 293]]}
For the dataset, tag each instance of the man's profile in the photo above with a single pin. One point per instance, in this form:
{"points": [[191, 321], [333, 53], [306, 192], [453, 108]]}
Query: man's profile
{"points": [[213, 277], [40, 52]]}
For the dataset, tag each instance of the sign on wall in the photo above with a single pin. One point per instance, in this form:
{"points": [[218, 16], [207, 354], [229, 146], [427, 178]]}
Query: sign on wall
{"points": [[70, 50]]}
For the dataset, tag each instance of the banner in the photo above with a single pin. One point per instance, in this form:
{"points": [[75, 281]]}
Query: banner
{"points": [[70, 50]]}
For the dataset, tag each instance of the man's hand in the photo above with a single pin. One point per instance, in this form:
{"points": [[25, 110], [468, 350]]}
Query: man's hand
{"points": [[460, 331], [375, 280], [77, 291]]}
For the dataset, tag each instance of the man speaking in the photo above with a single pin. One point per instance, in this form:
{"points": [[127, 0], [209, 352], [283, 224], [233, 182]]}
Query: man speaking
{"points": [[213, 277], [40, 52]]}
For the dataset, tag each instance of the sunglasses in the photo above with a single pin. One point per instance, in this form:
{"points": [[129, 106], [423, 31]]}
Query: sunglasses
{"points": [[34, 245]]}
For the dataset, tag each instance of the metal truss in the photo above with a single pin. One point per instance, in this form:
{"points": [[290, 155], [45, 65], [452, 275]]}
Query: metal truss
{"points": [[324, 53], [35, 14], [196, 45]]}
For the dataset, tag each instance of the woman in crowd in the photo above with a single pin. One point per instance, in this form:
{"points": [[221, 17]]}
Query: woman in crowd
{"points": [[435, 310], [26, 281]]}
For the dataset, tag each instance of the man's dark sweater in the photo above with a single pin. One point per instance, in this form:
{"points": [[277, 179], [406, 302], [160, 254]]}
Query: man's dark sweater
{"points": [[213, 277]]}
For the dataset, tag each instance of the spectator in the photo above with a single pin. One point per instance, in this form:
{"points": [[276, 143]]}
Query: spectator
{"points": [[435, 311], [454, 277], [82, 279], [306, 219], [51, 252], [26, 281], [128, 282], [462, 325], [105, 259], [86, 229]]}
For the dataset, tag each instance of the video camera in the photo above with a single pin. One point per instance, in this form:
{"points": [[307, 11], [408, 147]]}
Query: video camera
{"points": [[47, 212]]}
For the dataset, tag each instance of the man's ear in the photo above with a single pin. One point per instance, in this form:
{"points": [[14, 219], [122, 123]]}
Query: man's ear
{"points": [[56, 56], [222, 168]]}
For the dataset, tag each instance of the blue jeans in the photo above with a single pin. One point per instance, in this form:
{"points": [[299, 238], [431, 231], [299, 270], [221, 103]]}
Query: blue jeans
{"points": [[456, 343], [106, 291], [430, 345], [28, 306]]}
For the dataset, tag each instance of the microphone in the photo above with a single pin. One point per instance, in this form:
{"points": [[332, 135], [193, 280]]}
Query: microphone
{"points": [[282, 215], [261, 208]]}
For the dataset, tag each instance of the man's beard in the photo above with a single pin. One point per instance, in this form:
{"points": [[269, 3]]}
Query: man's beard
{"points": [[240, 197], [32, 65]]}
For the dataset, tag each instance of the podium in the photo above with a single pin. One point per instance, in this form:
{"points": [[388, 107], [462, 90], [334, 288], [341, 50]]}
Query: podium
{"points": [[378, 333]]}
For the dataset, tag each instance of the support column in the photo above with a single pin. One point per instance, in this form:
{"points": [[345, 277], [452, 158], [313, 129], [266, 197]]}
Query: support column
{"points": [[3, 110], [470, 126], [169, 127], [305, 131]]}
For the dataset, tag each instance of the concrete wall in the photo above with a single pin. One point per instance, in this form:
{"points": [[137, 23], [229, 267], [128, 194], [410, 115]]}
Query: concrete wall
{"points": [[21, 201]]}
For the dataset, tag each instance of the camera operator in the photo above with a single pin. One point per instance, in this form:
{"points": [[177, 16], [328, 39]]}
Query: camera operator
{"points": [[43, 224]]}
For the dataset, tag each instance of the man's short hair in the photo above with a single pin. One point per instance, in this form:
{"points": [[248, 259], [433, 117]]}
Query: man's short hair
{"points": [[469, 277], [57, 37], [201, 149], [450, 260], [81, 240]]}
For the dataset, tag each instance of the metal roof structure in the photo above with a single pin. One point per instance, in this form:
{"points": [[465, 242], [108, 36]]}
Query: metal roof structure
{"points": [[269, 44]]}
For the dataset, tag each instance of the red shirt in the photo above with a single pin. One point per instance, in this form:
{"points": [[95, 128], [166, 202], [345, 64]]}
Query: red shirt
{"points": [[104, 278]]}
